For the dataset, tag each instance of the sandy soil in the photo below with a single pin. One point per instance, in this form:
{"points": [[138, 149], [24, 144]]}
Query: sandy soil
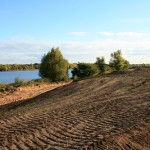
{"points": [[110, 112], [22, 93]]}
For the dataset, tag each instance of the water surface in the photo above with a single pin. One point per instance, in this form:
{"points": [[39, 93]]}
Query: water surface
{"points": [[9, 76]]}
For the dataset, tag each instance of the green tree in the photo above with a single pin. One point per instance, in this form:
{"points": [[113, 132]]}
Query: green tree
{"points": [[101, 64], [117, 62], [1, 67], [7, 67], [14, 67], [85, 70], [54, 66]]}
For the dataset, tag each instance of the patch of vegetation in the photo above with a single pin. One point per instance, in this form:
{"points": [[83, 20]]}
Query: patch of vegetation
{"points": [[16, 67], [117, 62], [84, 70], [100, 62], [6, 87], [54, 66], [22, 83]]}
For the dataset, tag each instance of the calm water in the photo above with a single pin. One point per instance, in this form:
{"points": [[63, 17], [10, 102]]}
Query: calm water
{"points": [[9, 76]]}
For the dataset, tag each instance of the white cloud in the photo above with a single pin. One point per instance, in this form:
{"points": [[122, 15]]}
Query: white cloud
{"points": [[106, 33], [121, 34], [78, 33], [30, 50], [129, 34]]}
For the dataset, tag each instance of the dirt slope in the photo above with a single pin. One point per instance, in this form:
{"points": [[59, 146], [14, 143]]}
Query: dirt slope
{"points": [[105, 112]]}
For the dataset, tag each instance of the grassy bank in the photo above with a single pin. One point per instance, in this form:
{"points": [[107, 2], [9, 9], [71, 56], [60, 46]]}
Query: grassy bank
{"points": [[22, 83]]}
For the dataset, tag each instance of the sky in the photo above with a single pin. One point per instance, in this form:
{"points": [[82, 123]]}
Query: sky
{"points": [[82, 29]]}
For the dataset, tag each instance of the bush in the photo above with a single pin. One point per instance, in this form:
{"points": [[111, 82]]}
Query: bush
{"points": [[19, 82], [6, 87], [2, 87], [84, 70], [100, 62]]}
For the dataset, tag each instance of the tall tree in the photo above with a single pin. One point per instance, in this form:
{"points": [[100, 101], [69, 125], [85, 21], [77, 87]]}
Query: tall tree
{"points": [[54, 66], [117, 62]]}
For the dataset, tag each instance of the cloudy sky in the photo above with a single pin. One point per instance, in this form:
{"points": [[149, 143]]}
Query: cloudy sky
{"points": [[82, 29]]}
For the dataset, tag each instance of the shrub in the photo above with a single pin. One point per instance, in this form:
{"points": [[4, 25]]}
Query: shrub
{"points": [[100, 62], [19, 82], [6, 87], [84, 70]]}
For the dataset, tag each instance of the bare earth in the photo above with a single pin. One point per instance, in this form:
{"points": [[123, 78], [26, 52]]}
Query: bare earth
{"points": [[22, 93], [109, 112]]}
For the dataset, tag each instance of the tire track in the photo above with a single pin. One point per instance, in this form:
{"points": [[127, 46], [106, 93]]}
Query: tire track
{"points": [[89, 114]]}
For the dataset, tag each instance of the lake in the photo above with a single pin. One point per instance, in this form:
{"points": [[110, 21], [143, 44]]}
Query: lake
{"points": [[9, 76]]}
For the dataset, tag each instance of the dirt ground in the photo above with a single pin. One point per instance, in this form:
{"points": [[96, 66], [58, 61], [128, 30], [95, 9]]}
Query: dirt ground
{"points": [[22, 93], [109, 112]]}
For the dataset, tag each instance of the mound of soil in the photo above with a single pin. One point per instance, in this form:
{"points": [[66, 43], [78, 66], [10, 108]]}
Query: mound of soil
{"points": [[103, 112]]}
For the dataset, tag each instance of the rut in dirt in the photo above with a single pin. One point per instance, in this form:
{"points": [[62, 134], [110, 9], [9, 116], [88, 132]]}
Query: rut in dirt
{"points": [[102, 112]]}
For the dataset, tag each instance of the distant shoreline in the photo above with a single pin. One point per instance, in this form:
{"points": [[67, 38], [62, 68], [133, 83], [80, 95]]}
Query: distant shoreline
{"points": [[18, 70]]}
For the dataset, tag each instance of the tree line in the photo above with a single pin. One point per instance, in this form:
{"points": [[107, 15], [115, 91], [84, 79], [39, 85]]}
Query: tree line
{"points": [[55, 67], [15, 67]]}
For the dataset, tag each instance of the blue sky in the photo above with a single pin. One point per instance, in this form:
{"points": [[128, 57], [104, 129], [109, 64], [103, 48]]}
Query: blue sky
{"points": [[82, 29]]}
